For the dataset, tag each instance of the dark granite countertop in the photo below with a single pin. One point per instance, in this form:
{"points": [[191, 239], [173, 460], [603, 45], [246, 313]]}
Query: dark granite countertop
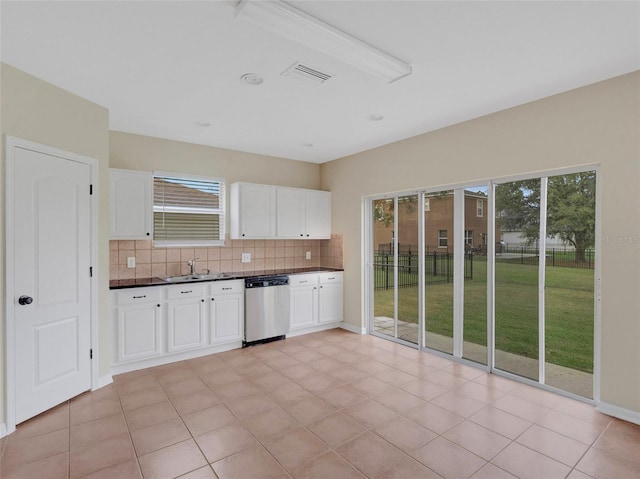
{"points": [[140, 282]]}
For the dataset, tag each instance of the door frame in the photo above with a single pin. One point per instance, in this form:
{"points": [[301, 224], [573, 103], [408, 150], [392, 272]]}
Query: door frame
{"points": [[11, 143]]}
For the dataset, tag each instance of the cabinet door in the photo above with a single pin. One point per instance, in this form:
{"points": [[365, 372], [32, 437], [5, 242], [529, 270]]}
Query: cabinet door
{"points": [[290, 213], [130, 204], [185, 324], [226, 318], [257, 211], [303, 304], [139, 331], [318, 214], [330, 298]]}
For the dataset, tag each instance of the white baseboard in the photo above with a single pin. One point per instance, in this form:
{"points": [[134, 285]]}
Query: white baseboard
{"points": [[171, 358], [312, 329], [352, 328], [3, 431], [619, 412], [102, 382]]}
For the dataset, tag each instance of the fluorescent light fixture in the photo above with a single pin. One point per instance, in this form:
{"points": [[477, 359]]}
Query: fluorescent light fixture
{"points": [[283, 19]]}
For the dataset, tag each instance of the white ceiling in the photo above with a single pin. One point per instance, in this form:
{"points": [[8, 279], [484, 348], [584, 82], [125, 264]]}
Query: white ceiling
{"points": [[161, 66]]}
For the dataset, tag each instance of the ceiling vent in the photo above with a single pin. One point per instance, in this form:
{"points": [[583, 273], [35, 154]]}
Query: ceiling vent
{"points": [[306, 73]]}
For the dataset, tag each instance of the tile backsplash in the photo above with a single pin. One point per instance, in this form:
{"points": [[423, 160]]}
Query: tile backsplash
{"points": [[265, 255]]}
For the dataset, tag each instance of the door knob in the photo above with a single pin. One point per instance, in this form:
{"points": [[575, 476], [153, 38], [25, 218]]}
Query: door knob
{"points": [[23, 300]]}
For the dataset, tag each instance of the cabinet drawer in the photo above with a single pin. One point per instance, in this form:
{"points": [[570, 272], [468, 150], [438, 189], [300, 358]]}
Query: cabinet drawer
{"points": [[298, 280], [330, 277], [226, 287], [138, 295], [184, 291]]}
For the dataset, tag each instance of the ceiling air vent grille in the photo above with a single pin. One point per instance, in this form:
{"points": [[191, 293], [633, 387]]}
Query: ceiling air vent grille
{"points": [[306, 73]]}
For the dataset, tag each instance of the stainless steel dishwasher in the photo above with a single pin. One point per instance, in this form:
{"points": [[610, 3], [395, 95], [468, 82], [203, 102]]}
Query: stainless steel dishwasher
{"points": [[266, 309]]}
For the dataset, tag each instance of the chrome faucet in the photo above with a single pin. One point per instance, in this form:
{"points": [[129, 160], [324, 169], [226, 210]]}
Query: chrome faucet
{"points": [[192, 264]]}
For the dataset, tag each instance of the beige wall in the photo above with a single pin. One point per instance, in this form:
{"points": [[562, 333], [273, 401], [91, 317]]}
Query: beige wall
{"points": [[37, 111], [136, 152], [599, 123]]}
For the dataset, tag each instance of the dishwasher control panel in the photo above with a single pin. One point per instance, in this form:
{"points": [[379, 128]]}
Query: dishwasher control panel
{"points": [[265, 281]]}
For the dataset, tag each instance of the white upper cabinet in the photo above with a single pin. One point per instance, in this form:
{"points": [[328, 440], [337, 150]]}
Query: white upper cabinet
{"points": [[291, 213], [252, 211], [318, 214], [303, 214], [263, 212], [130, 204]]}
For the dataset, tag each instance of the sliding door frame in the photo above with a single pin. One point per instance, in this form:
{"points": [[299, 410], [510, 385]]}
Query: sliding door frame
{"points": [[369, 282], [541, 383], [458, 241]]}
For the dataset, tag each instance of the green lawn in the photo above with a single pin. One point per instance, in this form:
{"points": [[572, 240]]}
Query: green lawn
{"points": [[568, 311]]}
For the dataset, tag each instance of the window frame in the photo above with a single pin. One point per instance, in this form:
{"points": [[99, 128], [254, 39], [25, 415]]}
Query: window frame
{"points": [[479, 208], [221, 211], [445, 238], [468, 237]]}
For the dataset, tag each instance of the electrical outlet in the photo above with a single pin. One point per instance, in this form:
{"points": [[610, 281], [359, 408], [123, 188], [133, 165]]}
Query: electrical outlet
{"points": [[131, 261], [308, 255], [246, 257]]}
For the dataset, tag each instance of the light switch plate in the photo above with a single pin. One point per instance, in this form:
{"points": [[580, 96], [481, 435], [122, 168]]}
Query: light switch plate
{"points": [[131, 261], [308, 255], [246, 257]]}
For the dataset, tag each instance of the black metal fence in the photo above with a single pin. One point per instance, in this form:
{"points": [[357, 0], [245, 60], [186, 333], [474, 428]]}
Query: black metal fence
{"points": [[439, 262], [438, 268], [554, 256]]}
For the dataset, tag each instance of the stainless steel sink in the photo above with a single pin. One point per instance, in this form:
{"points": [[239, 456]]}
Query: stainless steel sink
{"points": [[194, 277], [180, 279], [213, 276]]}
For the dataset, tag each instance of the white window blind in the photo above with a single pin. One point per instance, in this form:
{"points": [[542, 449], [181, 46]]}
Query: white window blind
{"points": [[188, 210]]}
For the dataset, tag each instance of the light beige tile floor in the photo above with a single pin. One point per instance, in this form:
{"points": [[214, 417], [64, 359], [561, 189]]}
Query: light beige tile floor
{"points": [[327, 405]]}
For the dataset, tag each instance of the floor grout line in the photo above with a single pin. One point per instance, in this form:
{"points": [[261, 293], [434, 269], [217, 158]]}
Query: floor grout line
{"points": [[382, 361]]}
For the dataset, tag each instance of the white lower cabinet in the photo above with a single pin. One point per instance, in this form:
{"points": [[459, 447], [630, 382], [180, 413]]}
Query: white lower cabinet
{"points": [[226, 311], [138, 315], [330, 298], [159, 324], [315, 300], [185, 317], [303, 301]]}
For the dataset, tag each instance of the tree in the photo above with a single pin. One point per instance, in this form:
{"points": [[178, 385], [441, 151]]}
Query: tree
{"points": [[383, 209], [571, 207], [518, 208]]}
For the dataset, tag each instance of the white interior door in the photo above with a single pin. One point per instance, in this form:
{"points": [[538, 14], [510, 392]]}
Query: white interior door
{"points": [[51, 282]]}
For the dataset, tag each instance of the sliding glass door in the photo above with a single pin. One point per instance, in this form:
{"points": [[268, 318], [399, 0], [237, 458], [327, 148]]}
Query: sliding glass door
{"points": [[500, 274], [408, 240], [439, 270], [476, 236], [544, 280], [516, 277], [383, 213], [569, 282], [395, 248]]}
